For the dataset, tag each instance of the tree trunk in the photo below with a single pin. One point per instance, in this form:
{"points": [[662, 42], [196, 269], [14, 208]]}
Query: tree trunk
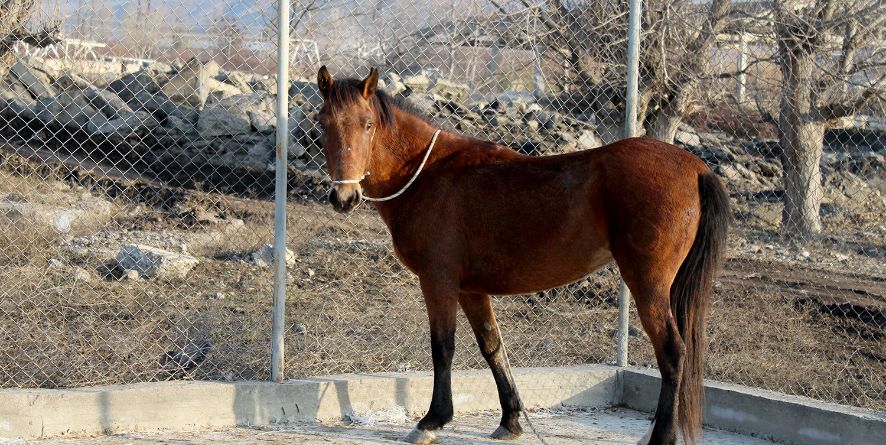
{"points": [[663, 122], [801, 140], [663, 126]]}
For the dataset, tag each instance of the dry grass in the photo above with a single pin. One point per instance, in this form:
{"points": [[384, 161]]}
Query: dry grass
{"points": [[352, 307]]}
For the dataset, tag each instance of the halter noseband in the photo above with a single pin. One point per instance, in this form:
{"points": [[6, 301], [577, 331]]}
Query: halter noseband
{"points": [[408, 183]]}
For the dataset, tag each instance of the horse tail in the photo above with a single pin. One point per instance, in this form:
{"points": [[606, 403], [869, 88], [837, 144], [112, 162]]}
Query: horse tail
{"points": [[690, 295]]}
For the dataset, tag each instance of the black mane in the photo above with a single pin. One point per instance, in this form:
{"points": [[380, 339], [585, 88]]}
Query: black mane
{"points": [[346, 91]]}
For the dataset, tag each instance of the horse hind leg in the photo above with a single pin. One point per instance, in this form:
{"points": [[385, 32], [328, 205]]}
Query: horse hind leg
{"points": [[654, 309], [478, 309]]}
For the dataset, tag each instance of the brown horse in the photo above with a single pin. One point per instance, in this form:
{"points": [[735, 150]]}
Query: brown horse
{"points": [[471, 218]]}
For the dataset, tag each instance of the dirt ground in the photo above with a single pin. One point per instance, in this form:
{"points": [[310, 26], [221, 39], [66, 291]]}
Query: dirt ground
{"points": [[614, 426], [802, 319]]}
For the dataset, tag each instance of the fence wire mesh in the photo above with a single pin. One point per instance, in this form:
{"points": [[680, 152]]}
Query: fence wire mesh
{"points": [[136, 177]]}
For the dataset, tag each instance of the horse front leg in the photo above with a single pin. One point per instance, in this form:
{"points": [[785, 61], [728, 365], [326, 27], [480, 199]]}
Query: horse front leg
{"points": [[442, 304], [478, 309]]}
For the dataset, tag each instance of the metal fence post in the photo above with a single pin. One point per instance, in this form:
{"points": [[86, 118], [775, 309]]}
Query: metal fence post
{"points": [[279, 317], [742, 66], [633, 62]]}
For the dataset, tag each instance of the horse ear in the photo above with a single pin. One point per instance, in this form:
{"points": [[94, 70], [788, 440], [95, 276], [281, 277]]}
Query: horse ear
{"points": [[324, 80], [370, 83]]}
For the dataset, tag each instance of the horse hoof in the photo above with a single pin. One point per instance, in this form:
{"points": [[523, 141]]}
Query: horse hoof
{"points": [[420, 437], [502, 433]]}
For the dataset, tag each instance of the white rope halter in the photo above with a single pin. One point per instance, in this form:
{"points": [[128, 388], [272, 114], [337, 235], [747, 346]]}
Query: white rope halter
{"points": [[408, 183]]}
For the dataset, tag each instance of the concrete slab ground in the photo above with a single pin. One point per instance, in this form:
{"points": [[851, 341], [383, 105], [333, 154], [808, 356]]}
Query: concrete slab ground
{"points": [[604, 426], [163, 412]]}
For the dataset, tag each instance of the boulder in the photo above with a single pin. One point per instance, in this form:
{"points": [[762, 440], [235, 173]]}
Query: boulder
{"points": [[12, 108], [264, 84], [264, 256], [687, 138], [154, 262], [68, 111], [36, 82], [261, 121], [134, 123], [588, 140], [450, 90], [303, 92], [14, 105], [190, 85], [231, 116], [161, 107], [259, 155], [220, 90], [417, 82], [133, 85], [238, 80], [69, 80], [108, 102]]}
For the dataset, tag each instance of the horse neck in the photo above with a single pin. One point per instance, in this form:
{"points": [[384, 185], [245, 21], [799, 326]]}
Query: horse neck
{"points": [[398, 152]]}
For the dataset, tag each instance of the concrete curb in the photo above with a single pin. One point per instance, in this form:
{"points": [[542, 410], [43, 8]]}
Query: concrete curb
{"points": [[766, 414], [184, 406]]}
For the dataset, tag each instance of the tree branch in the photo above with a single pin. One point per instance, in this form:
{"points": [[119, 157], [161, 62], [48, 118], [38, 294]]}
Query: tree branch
{"points": [[837, 110]]}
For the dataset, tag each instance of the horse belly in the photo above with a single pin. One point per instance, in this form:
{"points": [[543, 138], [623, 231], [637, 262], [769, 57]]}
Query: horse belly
{"points": [[534, 270]]}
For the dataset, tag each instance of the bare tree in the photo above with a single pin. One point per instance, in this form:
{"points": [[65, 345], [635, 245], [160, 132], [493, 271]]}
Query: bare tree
{"points": [[589, 40], [832, 58], [14, 15], [230, 38]]}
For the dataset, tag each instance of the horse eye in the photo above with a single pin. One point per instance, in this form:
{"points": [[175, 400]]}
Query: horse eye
{"points": [[368, 126]]}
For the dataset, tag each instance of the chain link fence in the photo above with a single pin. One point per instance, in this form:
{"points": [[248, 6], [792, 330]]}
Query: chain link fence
{"points": [[137, 177]]}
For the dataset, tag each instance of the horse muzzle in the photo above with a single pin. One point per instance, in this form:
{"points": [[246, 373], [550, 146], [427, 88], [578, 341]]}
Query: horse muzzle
{"points": [[345, 198]]}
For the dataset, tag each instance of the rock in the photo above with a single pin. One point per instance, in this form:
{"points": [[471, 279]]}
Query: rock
{"points": [[303, 131], [161, 107], [72, 81], [221, 90], [424, 103], [303, 92], [450, 90], [85, 211], [238, 80], [108, 102], [12, 107], [259, 155], [687, 139], [529, 148], [190, 85], [299, 328], [132, 275], [186, 358], [82, 275], [263, 84], [588, 140], [548, 120], [69, 112], [135, 84], [417, 82], [712, 139], [136, 123], [154, 262], [261, 121], [231, 116], [264, 256], [36, 82], [728, 172]]}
